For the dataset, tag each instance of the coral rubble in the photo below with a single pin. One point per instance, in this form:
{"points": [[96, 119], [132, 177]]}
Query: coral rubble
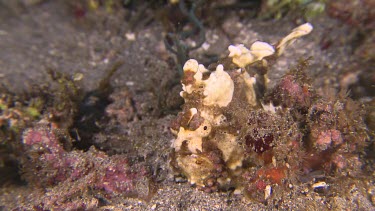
{"points": [[68, 177]]}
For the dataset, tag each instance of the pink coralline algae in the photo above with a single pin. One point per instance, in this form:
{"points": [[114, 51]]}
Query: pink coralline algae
{"points": [[326, 138], [50, 166]]}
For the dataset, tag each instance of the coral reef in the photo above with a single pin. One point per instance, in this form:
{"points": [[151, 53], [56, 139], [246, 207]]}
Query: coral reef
{"points": [[235, 132]]}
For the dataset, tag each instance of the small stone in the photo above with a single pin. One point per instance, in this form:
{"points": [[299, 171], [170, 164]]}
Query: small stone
{"points": [[130, 36], [237, 192], [129, 83], [205, 46], [321, 184], [274, 161], [77, 76], [180, 179], [267, 192], [305, 191]]}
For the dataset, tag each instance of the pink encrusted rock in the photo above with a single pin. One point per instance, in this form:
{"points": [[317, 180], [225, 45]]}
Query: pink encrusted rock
{"points": [[329, 137], [339, 161], [49, 165], [295, 91]]}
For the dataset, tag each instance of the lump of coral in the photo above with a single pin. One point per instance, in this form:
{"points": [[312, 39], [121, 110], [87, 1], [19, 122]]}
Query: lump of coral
{"points": [[337, 130], [67, 176], [233, 132]]}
